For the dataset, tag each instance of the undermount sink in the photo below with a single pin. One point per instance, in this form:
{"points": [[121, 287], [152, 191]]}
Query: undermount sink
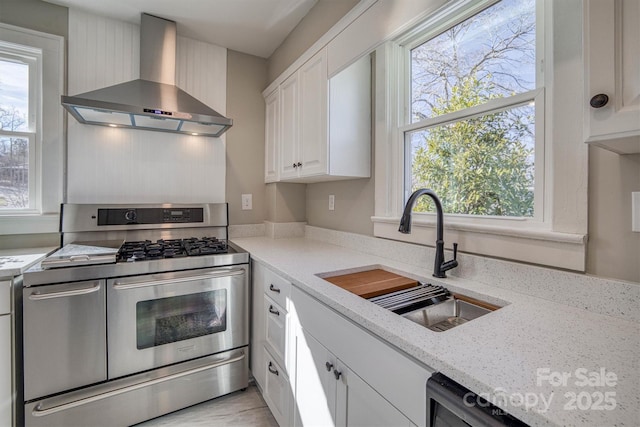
{"points": [[434, 307], [428, 305], [447, 314]]}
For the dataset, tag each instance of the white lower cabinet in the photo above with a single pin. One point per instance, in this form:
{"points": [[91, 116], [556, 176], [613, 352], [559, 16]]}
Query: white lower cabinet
{"points": [[5, 370], [328, 393], [270, 341], [6, 401], [318, 368]]}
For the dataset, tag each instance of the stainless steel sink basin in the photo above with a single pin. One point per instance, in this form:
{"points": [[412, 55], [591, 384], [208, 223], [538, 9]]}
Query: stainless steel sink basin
{"points": [[447, 314], [434, 307]]}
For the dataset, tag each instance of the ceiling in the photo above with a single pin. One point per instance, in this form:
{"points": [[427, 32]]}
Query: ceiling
{"points": [[256, 27]]}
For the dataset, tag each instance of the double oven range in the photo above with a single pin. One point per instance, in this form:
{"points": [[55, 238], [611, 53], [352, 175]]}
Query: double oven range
{"points": [[143, 311]]}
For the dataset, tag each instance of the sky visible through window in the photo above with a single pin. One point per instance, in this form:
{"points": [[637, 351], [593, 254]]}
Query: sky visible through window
{"points": [[480, 165], [14, 88], [14, 150]]}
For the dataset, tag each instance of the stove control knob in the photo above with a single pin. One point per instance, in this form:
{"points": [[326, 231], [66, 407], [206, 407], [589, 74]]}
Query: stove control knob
{"points": [[130, 215]]}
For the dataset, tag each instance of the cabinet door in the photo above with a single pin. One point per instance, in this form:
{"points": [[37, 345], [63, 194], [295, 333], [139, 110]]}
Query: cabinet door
{"points": [[272, 134], [289, 128], [358, 404], [313, 116], [315, 391], [612, 37], [5, 370]]}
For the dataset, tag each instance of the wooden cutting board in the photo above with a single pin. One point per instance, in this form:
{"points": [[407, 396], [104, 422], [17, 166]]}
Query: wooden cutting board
{"points": [[371, 283]]}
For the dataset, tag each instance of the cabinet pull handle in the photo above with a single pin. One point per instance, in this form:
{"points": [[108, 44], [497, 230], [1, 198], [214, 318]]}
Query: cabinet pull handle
{"points": [[274, 289], [272, 369], [337, 374], [599, 100], [273, 311], [329, 366]]}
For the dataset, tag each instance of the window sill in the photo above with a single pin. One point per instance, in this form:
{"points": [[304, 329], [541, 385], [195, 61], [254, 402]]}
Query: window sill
{"points": [[29, 224], [543, 247]]}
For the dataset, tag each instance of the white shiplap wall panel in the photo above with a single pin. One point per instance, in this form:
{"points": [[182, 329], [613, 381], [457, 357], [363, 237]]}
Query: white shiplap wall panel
{"points": [[108, 165]]}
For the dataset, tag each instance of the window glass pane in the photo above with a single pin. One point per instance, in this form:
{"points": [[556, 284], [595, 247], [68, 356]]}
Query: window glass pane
{"points": [[14, 95], [14, 173], [479, 166], [490, 55]]}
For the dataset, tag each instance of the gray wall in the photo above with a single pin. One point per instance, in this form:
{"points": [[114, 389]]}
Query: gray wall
{"points": [[313, 26], [613, 249], [35, 15], [246, 78]]}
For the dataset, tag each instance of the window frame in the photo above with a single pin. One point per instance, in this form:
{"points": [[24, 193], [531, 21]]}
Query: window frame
{"points": [[555, 236], [45, 133], [33, 59]]}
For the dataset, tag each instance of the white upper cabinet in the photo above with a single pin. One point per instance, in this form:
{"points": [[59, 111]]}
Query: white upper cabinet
{"points": [[612, 74], [324, 124], [313, 145], [272, 133]]}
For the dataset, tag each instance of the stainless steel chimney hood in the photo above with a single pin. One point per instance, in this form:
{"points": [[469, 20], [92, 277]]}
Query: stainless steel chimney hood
{"points": [[152, 102]]}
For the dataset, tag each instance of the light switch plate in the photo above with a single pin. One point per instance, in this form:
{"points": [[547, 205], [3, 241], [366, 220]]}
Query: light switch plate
{"points": [[635, 211], [247, 202], [332, 202]]}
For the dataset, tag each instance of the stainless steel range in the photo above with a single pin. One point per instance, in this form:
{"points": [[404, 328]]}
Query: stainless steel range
{"points": [[143, 311]]}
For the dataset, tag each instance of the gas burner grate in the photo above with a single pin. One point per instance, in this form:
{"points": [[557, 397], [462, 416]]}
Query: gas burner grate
{"points": [[171, 248]]}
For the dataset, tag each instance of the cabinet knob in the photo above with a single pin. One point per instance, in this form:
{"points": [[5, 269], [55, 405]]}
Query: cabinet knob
{"points": [[329, 366], [337, 374], [599, 100], [273, 370], [299, 164]]}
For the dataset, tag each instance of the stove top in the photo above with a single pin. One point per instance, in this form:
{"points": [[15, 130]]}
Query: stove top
{"points": [[171, 248]]}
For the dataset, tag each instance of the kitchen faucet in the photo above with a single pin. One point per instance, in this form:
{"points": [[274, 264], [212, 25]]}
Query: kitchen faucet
{"points": [[440, 266]]}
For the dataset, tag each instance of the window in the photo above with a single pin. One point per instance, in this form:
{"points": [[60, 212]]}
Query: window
{"points": [[19, 89], [472, 112], [31, 130], [482, 101]]}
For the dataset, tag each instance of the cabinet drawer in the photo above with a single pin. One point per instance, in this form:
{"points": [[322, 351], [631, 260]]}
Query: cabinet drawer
{"points": [[276, 329], [276, 287], [277, 391]]}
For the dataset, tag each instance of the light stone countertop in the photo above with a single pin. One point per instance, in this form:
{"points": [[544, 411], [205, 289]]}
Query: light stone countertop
{"points": [[511, 356], [14, 262]]}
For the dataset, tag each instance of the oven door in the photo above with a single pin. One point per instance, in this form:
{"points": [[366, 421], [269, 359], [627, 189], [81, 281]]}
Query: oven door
{"points": [[159, 319]]}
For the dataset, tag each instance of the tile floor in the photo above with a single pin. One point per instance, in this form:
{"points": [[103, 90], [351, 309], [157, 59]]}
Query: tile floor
{"points": [[238, 409]]}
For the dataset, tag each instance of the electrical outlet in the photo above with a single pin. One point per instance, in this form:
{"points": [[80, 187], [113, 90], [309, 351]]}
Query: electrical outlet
{"points": [[247, 202], [332, 202]]}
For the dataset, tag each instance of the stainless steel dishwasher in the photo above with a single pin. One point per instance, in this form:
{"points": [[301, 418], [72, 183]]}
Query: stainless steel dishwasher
{"points": [[449, 404]]}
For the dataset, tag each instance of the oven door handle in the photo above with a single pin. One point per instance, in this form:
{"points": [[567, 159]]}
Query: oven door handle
{"points": [[38, 296], [38, 411], [131, 284]]}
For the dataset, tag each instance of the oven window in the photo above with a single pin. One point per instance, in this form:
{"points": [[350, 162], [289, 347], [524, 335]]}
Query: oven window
{"points": [[166, 320]]}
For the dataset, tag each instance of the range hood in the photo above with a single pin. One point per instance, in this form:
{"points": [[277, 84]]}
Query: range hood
{"points": [[152, 102]]}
